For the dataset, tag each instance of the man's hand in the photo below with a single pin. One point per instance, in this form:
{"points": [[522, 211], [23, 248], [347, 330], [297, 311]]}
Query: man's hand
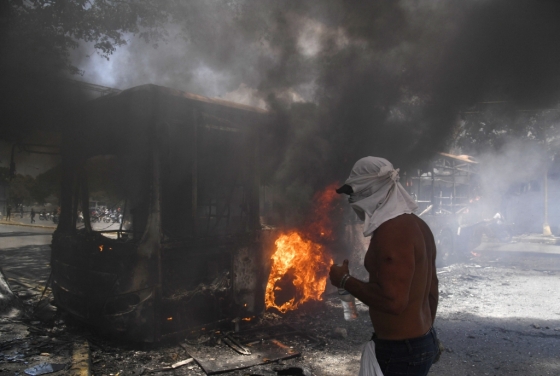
{"points": [[337, 272]]}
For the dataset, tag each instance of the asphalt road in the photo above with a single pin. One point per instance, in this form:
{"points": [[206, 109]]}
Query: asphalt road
{"points": [[25, 254], [499, 312]]}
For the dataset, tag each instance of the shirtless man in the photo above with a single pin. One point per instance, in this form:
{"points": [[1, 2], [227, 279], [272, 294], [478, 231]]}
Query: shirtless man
{"points": [[402, 291]]}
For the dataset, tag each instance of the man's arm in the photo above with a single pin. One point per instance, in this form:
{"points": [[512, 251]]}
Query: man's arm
{"points": [[391, 271]]}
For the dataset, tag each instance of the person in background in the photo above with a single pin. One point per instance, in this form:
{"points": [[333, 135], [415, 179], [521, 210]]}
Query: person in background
{"points": [[402, 290], [8, 213], [21, 211], [32, 214]]}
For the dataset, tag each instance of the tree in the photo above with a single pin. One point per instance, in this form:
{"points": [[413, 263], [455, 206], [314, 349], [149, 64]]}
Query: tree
{"points": [[36, 38], [21, 187], [491, 126], [46, 185]]}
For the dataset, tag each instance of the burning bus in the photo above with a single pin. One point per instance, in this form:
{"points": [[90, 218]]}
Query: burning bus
{"points": [[188, 249]]}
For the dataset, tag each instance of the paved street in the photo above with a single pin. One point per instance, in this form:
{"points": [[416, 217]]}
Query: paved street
{"points": [[25, 254], [499, 312]]}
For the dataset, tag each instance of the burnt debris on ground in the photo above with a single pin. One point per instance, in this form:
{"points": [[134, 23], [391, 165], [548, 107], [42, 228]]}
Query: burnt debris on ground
{"points": [[499, 314]]}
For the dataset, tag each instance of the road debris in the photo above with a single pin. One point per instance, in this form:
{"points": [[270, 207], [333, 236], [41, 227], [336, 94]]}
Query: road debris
{"points": [[181, 363], [81, 363], [44, 368]]}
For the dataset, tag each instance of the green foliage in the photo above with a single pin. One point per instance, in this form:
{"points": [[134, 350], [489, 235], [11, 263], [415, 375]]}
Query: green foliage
{"points": [[4, 174], [36, 40], [49, 29], [46, 185], [490, 128], [27, 190], [105, 182], [105, 179], [20, 190]]}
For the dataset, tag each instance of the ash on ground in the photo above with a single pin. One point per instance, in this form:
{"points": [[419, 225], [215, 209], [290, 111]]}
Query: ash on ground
{"points": [[499, 314]]}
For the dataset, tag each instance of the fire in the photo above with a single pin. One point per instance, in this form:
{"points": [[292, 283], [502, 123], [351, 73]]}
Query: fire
{"points": [[320, 227], [300, 264], [302, 261]]}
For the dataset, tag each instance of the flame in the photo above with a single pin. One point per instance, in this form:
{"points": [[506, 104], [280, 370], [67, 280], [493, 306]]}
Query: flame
{"points": [[320, 227], [101, 248], [301, 263]]}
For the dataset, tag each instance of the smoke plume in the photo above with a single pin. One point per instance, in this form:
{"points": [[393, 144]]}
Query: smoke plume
{"points": [[345, 80]]}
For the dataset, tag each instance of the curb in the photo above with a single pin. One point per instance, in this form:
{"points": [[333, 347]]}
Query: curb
{"points": [[81, 363], [538, 239], [25, 224]]}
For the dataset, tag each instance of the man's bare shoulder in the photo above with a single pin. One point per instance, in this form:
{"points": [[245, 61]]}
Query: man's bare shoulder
{"points": [[403, 222], [397, 231]]}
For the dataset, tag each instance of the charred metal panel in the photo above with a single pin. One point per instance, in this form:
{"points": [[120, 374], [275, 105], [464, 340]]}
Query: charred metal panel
{"points": [[105, 282], [245, 274], [251, 267], [208, 283]]}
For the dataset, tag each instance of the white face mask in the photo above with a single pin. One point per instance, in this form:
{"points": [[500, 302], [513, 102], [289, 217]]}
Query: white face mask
{"points": [[361, 214], [355, 197], [379, 196], [357, 204]]}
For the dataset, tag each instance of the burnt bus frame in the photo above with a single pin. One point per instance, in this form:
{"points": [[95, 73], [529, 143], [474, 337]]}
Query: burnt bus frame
{"points": [[94, 275], [456, 175]]}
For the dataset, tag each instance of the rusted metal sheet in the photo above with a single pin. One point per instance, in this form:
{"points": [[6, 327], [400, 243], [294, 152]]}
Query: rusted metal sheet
{"points": [[261, 345], [224, 359]]}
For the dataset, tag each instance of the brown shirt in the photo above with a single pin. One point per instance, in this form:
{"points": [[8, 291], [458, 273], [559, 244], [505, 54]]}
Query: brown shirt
{"points": [[402, 291]]}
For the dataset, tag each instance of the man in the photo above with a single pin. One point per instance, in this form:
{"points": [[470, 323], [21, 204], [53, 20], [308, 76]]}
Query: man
{"points": [[8, 213], [32, 215], [402, 291]]}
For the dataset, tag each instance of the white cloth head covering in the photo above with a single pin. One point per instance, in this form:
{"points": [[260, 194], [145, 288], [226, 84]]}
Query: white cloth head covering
{"points": [[378, 196]]}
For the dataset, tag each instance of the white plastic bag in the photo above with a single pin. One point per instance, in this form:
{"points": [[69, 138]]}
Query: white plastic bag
{"points": [[368, 364]]}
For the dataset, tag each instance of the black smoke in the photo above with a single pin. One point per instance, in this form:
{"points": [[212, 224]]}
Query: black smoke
{"points": [[345, 80]]}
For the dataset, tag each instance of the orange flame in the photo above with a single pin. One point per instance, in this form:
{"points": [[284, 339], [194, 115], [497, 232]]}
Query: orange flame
{"points": [[300, 264], [321, 226]]}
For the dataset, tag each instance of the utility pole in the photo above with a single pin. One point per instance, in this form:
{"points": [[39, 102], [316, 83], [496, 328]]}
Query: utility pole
{"points": [[546, 226]]}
